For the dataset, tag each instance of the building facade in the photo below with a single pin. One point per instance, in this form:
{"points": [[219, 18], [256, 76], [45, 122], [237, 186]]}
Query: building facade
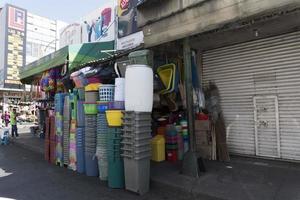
{"points": [[24, 38], [250, 50]]}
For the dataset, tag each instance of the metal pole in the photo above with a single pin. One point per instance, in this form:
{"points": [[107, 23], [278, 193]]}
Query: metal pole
{"points": [[190, 161]]}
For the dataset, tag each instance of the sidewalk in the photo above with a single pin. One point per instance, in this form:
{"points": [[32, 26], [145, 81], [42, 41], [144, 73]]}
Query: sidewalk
{"points": [[241, 179]]}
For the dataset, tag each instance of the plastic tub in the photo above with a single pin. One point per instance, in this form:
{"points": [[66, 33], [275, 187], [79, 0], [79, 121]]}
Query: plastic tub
{"points": [[90, 109], [114, 118]]}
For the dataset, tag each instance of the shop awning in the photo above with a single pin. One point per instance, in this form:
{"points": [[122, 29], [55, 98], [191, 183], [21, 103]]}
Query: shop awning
{"points": [[57, 58], [76, 55]]}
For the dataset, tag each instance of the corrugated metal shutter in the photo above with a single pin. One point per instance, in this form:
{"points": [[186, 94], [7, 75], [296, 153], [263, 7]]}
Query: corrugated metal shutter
{"points": [[265, 67]]}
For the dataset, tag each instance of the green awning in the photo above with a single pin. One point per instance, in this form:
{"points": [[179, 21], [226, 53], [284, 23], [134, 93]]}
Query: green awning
{"points": [[77, 56], [82, 54], [52, 60]]}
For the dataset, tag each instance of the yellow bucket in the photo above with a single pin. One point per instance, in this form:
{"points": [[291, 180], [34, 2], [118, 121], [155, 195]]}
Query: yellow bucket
{"points": [[114, 117], [92, 87]]}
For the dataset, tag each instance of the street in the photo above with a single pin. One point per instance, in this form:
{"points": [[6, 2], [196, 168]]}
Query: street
{"points": [[24, 175]]}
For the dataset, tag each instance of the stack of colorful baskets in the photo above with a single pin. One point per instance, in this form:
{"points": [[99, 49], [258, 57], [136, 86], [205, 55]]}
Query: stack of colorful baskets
{"points": [[106, 95], [59, 110]]}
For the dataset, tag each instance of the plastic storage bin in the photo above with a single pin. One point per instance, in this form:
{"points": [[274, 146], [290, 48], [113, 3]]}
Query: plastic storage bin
{"points": [[144, 57], [158, 148]]}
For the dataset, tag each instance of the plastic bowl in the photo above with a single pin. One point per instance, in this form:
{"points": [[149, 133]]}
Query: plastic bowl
{"points": [[102, 107]]}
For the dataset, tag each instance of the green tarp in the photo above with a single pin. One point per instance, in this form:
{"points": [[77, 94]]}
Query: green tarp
{"points": [[78, 56]]}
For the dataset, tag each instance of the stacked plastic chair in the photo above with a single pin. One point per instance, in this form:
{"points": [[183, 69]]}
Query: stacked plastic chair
{"points": [[59, 110], [136, 140], [80, 135], [91, 163], [66, 130]]}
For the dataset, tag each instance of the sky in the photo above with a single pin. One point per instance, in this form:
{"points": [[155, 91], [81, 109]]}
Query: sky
{"points": [[64, 10]]}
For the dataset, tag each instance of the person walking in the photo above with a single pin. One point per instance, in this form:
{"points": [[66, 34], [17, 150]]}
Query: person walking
{"points": [[5, 117], [13, 123]]}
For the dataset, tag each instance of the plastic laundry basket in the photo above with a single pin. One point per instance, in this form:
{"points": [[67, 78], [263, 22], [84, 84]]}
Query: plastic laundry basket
{"points": [[106, 92]]}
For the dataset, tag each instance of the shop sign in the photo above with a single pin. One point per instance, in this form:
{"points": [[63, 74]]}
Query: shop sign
{"points": [[127, 17], [131, 41], [15, 44], [99, 25]]}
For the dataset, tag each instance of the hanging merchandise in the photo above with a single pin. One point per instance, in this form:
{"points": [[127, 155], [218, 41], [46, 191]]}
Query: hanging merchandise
{"points": [[180, 142], [139, 97]]}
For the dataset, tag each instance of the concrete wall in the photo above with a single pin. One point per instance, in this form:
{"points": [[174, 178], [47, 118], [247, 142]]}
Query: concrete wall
{"points": [[175, 19]]}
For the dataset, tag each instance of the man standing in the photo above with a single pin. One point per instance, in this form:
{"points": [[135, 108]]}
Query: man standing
{"points": [[13, 123]]}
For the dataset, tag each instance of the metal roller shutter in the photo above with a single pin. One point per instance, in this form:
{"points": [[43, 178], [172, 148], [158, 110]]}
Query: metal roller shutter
{"points": [[258, 69]]}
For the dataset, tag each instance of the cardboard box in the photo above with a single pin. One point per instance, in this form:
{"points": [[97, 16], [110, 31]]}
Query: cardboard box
{"points": [[202, 125]]}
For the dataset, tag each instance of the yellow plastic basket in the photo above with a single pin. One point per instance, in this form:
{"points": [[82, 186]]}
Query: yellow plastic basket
{"points": [[114, 117]]}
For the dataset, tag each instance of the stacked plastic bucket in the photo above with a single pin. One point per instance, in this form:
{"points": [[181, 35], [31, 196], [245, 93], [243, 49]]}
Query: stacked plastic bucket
{"points": [[91, 164], [106, 94], [90, 110], [114, 116], [136, 136], [59, 109], [72, 150], [115, 162], [136, 140], [172, 143], [80, 164], [185, 135], [66, 130]]}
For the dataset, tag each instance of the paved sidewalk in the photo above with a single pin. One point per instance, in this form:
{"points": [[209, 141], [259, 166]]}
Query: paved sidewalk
{"points": [[30, 142]]}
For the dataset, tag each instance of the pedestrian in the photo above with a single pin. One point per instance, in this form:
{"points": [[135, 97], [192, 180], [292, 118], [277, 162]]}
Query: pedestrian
{"points": [[5, 117], [13, 123]]}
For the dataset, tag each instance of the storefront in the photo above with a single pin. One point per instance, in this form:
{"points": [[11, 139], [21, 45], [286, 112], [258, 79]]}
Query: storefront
{"points": [[254, 63]]}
